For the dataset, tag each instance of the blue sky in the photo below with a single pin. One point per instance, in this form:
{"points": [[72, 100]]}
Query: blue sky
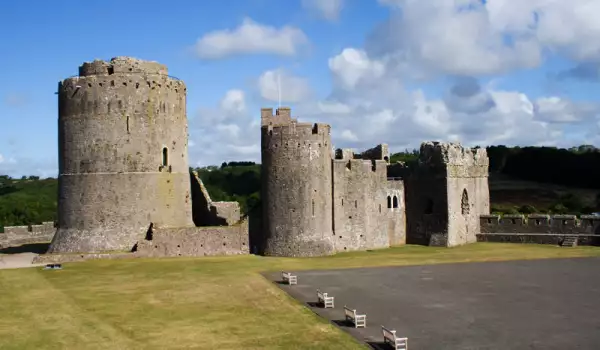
{"points": [[379, 71]]}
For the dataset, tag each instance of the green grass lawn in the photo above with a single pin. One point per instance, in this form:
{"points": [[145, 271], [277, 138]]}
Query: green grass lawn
{"points": [[201, 303]]}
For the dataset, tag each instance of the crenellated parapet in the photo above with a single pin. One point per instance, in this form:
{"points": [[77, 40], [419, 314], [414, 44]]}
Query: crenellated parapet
{"points": [[540, 224], [122, 65], [379, 152], [27, 234], [454, 159]]}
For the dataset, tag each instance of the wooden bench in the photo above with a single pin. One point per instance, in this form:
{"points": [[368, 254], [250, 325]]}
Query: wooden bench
{"points": [[324, 299], [357, 320], [389, 337], [53, 267], [289, 278]]}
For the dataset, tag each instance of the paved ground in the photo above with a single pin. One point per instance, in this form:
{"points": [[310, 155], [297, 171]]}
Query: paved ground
{"points": [[541, 304], [14, 261]]}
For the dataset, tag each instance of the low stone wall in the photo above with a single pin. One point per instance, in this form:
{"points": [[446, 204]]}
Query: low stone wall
{"points": [[19, 235], [540, 223], [538, 238], [196, 241]]}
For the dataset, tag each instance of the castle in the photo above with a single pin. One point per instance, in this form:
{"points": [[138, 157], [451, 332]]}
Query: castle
{"points": [[125, 184], [318, 203]]}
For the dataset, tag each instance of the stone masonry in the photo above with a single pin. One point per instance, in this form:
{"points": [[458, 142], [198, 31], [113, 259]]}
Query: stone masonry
{"points": [[124, 179], [446, 193], [317, 204]]}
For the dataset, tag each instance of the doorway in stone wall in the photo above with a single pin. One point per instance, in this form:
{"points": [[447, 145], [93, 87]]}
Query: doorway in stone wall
{"points": [[465, 209]]}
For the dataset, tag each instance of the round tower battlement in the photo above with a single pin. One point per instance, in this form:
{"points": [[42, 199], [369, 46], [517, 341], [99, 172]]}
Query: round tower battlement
{"points": [[296, 185], [123, 155], [122, 65]]}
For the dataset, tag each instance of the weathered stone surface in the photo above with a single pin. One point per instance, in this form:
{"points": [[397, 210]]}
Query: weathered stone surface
{"points": [[316, 205], [19, 235], [123, 161], [446, 193]]}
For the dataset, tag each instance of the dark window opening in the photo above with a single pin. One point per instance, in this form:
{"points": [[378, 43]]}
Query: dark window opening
{"points": [[513, 221], [464, 203], [342, 202], [386, 158], [165, 156], [128, 124], [313, 207], [564, 222], [429, 206], [537, 221], [489, 221], [356, 204], [380, 208], [395, 202], [111, 70], [389, 201]]}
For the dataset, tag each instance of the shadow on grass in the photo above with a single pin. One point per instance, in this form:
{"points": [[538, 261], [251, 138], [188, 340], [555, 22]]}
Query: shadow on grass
{"points": [[38, 248], [379, 345], [343, 323]]}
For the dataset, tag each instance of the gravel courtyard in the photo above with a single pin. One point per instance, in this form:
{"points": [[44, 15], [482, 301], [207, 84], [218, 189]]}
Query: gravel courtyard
{"points": [[532, 304]]}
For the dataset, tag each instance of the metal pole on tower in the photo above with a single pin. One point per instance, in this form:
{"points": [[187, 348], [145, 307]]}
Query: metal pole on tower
{"points": [[279, 89]]}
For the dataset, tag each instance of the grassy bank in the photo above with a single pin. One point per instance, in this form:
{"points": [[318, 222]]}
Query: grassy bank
{"points": [[203, 303]]}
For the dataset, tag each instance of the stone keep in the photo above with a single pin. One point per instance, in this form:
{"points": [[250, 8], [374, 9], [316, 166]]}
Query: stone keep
{"points": [[296, 186], [123, 161], [446, 193]]}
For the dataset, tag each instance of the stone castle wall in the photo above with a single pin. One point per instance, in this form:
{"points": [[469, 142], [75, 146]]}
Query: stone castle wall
{"points": [[539, 228], [446, 193], [296, 186], [195, 241], [365, 215], [18, 235], [123, 160]]}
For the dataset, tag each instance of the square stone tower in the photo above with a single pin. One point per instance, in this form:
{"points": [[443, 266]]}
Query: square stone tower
{"points": [[446, 192]]}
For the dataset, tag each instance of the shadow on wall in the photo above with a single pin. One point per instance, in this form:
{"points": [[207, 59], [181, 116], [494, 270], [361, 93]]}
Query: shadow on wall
{"points": [[38, 248], [200, 207]]}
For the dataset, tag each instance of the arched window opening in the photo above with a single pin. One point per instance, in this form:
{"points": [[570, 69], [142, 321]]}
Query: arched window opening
{"points": [[165, 156], [395, 202], [389, 202], [464, 203], [428, 206]]}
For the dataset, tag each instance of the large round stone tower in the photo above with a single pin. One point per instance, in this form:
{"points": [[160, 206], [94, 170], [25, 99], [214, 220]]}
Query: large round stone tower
{"points": [[296, 186], [123, 161]]}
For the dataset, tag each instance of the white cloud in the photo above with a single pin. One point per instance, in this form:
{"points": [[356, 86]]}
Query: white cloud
{"points": [[352, 66], [227, 132], [365, 109], [251, 38], [370, 101], [274, 84], [1, 158], [328, 9], [558, 110], [234, 102]]}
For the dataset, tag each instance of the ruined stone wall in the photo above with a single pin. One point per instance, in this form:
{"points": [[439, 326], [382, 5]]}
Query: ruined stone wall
{"points": [[396, 214], [446, 193], [19, 235], [296, 188], [195, 241], [539, 228], [379, 152], [123, 160], [359, 204], [205, 212], [467, 176]]}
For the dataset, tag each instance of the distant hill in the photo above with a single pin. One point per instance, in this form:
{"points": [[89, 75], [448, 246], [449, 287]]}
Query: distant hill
{"points": [[528, 179]]}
